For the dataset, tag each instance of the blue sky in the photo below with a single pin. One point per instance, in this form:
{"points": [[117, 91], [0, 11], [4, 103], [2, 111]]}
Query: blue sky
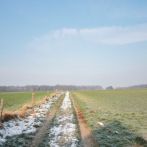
{"points": [[82, 42]]}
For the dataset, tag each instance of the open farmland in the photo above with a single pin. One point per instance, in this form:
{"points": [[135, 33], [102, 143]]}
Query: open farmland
{"points": [[116, 117], [15, 100]]}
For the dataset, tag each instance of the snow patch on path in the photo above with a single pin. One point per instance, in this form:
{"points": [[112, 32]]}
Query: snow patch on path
{"points": [[63, 133], [66, 102]]}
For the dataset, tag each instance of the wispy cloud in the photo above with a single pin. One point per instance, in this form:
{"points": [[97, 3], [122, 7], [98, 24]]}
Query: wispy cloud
{"points": [[112, 35], [116, 35]]}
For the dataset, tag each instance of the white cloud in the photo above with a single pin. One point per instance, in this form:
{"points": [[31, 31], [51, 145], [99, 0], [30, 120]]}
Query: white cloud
{"points": [[112, 35], [65, 32], [116, 35]]}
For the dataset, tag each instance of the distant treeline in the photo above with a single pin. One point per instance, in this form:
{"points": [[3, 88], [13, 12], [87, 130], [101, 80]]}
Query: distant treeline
{"points": [[46, 88], [134, 87], [61, 87]]}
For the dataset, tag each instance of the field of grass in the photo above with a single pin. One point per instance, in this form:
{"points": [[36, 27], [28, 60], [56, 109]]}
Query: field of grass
{"points": [[123, 112], [15, 100]]}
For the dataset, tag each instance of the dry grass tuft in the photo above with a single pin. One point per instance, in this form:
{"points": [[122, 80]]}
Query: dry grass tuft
{"points": [[23, 111], [9, 115], [12, 115]]}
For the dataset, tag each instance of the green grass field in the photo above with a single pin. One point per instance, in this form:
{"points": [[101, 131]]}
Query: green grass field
{"points": [[15, 100], [123, 112]]}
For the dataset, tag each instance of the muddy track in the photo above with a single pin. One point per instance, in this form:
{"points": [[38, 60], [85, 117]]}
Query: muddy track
{"points": [[87, 139], [46, 125], [63, 131]]}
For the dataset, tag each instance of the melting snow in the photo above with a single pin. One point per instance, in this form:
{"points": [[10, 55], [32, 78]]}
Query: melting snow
{"points": [[26, 125], [63, 133], [66, 102]]}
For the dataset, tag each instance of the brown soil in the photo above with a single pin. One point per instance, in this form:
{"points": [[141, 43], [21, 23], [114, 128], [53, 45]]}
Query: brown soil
{"points": [[86, 134]]}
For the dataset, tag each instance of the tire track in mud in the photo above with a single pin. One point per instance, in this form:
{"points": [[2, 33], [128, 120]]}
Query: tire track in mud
{"points": [[44, 129], [64, 130]]}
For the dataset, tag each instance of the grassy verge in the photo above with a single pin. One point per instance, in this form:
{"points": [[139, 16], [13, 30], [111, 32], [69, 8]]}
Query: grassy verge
{"points": [[15, 100], [123, 112]]}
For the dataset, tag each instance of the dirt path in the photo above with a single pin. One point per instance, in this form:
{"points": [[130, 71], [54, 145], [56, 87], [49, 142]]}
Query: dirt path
{"points": [[86, 135], [44, 129], [64, 130]]}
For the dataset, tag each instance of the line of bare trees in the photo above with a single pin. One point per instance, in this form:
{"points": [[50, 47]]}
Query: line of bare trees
{"points": [[46, 88]]}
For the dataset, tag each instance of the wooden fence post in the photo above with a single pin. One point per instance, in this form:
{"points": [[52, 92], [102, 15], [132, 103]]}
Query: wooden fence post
{"points": [[33, 99], [1, 110]]}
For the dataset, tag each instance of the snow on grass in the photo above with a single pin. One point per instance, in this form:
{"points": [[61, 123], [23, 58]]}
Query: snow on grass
{"points": [[28, 124], [63, 132]]}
